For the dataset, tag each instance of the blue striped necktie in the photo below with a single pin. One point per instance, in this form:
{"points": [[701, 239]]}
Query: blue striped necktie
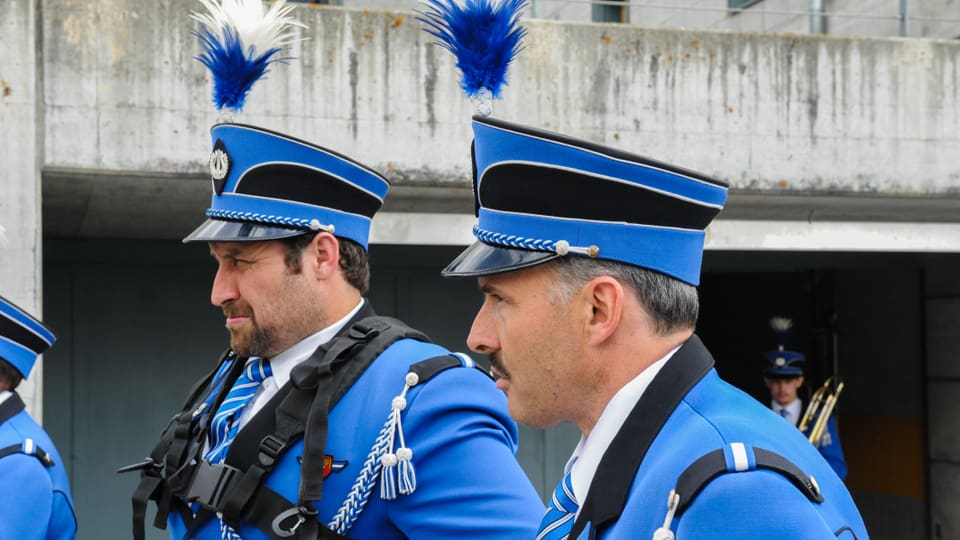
{"points": [[558, 521], [225, 424]]}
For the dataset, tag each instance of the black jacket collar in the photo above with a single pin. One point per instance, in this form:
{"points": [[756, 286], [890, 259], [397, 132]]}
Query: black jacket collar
{"points": [[611, 483], [11, 407]]}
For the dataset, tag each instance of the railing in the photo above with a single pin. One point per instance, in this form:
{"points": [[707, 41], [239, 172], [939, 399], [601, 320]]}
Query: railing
{"points": [[760, 17]]}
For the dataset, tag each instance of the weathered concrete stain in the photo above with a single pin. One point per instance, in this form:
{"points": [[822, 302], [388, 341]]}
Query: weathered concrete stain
{"points": [[354, 78], [430, 88]]}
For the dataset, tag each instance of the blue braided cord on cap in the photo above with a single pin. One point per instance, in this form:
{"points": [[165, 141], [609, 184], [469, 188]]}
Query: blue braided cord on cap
{"points": [[509, 240], [290, 213], [299, 223], [360, 492]]}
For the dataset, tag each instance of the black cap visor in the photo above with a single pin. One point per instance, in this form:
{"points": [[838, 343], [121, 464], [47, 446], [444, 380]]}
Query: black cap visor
{"points": [[776, 374], [215, 230], [484, 259]]}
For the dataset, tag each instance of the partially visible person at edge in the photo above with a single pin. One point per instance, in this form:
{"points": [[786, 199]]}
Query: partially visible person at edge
{"points": [[783, 376], [588, 259], [35, 500]]}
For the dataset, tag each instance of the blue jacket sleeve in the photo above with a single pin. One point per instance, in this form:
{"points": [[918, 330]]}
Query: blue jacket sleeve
{"points": [[731, 507], [469, 484], [831, 450], [26, 498]]}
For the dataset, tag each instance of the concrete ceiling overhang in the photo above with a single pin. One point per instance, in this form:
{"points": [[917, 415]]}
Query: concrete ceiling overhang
{"points": [[80, 204]]}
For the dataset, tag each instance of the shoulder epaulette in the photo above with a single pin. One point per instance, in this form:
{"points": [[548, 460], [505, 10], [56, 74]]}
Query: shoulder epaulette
{"points": [[30, 448], [732, 458]]}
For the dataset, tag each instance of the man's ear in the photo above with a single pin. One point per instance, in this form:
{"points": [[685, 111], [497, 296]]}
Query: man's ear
{"points": [[602, 302], [322, 255]]}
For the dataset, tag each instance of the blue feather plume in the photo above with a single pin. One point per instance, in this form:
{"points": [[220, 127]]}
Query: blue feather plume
{"points": [[234, 69], [484, 36], [240, 39]]}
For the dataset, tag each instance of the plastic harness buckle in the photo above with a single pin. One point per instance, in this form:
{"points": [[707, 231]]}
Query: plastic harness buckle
{"points": [[270, 447], [212, 483]]}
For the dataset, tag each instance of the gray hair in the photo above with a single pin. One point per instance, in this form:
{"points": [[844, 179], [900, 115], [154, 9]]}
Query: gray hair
{"points": [[672, 304]]}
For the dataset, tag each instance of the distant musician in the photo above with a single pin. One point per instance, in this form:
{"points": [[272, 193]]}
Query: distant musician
{"points": [[783, 376]]}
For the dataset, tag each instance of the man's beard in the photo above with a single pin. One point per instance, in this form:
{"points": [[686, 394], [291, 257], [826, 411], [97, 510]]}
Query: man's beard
{"points": [[253, 341]]}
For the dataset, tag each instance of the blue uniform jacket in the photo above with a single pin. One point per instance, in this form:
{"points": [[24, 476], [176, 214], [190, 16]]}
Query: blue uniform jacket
{"points": [[468, 482], [685, 413], [35, 501], [831, 450]]}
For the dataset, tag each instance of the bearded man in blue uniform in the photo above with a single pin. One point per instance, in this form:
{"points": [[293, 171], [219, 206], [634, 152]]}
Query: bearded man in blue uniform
{"points": [[35, 500], [313, 424], [588, 258], [322, 420]]}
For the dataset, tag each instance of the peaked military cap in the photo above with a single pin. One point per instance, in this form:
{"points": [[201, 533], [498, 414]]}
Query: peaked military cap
{"points": [[267, 185], [22, 338], [783, 364], [541, 195]]}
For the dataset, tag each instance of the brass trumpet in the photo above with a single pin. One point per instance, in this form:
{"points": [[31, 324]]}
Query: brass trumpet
{"points": [[820, 408]]}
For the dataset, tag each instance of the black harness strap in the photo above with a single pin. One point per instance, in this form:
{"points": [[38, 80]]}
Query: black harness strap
{"points": [[372, 336], [173, 454], [713, 464], [316, 385]]}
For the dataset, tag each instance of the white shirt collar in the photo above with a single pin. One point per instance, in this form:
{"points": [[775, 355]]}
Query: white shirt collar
{"points": [[4, 395], [586, 456], [283, 363], [793, 408]]}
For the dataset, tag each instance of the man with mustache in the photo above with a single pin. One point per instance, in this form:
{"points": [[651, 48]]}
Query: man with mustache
{"points": [[588, 258], [323, 420]]}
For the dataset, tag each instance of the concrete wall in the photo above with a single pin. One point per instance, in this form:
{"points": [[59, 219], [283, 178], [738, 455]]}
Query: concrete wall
{"points": [[767, 112], [21, 129]]}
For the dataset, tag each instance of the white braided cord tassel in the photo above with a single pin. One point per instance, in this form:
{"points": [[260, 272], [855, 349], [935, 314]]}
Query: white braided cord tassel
{"points": [[363, 486], [382, 462], [398, 466]]}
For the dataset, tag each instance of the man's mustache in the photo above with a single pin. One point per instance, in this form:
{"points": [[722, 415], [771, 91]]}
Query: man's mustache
{"points": [[233, 310], [497, 364]]}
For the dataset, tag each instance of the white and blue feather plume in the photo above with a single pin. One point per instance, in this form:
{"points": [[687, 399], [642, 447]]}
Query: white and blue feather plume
{"points": [[781, 328], [240, 39], [483, 35]]}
